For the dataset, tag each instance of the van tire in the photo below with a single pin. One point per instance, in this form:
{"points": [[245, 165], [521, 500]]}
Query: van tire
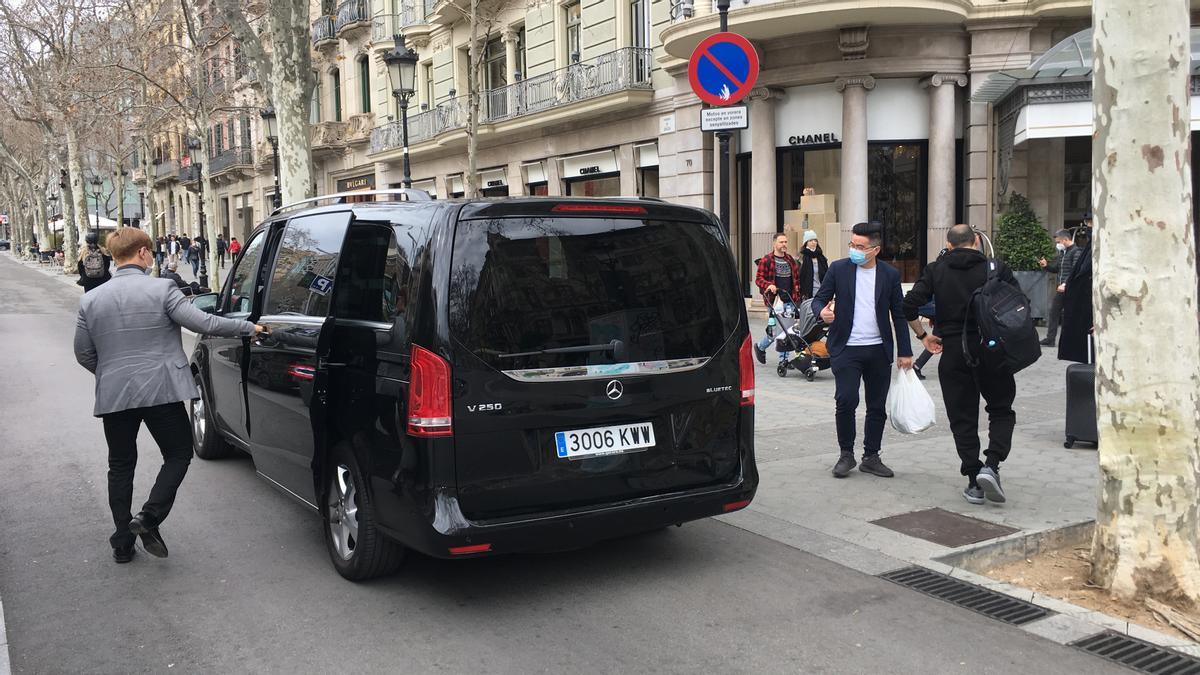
{"points": [[358, 550], [207, 441]]}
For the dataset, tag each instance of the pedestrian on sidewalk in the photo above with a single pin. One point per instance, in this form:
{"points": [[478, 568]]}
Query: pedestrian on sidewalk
{"points": [[160, 251], [1077, 303], [127, 334], [93, 265], [235, 247], [222, 247], [813, 265], [953, 279], [1064, 263], [777, 271], [172, 249], [861, 346], [194, 253]]}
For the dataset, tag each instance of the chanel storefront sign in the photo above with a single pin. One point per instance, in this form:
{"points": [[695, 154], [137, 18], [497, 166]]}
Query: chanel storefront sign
{"points": [[814, 139]]}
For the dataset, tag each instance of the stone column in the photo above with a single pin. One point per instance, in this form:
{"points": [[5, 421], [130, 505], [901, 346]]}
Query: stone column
{"points": [[554, 182], [940, 193], [510, 56], [854, 147], [627, 165], [763, 181], [516, 179]]}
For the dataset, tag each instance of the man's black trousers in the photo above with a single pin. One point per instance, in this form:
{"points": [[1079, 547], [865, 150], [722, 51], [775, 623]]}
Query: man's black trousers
{"points": [[169, 425], [1055, 318], [961, 387], [871, 367]]}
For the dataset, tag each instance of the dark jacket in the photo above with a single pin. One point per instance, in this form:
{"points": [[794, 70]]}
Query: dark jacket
{"points": [[222, 245], [1064, 263], [809, 258], [952, 278], [87, 282], [1077, 310], [766, 276], [839, 285], [173, 276]]}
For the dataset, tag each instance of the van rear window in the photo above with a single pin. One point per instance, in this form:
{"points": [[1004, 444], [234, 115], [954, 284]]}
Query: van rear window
{"points": [[541, 293]]}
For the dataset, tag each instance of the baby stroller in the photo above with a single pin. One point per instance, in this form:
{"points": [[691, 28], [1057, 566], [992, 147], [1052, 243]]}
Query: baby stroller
{"points": [[802, 334]]}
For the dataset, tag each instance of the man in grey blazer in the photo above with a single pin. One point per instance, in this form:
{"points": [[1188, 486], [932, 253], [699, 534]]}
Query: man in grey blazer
{"points": [[127, 334]]}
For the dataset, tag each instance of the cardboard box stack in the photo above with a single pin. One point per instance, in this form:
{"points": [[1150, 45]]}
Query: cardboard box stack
{"points": [[816, 213]]}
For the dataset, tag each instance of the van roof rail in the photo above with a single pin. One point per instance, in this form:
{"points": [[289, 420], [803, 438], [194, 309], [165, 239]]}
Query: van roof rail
{"points": [[409, 194]]}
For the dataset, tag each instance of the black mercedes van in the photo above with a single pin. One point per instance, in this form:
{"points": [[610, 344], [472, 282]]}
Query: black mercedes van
{"points": [[473, 377]]}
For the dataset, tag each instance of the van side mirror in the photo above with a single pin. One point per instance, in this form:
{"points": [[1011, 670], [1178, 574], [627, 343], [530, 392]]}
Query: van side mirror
{"points": [[206, 302]]}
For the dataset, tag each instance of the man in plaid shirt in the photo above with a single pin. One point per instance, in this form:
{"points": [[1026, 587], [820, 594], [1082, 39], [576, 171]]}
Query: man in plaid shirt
{"points": [[777, 271]]}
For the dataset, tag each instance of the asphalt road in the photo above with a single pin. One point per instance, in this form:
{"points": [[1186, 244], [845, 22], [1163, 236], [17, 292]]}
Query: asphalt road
{"points": [[249, 587]]}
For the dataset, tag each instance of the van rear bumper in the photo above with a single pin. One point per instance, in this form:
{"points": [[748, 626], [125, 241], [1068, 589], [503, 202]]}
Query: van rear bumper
{"points": [[578, 527]]}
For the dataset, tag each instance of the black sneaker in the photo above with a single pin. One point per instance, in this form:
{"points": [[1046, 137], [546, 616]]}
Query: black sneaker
{"points": [[760, 353], [844, 464], [1048, 342], [873, 465], [989, 482]]}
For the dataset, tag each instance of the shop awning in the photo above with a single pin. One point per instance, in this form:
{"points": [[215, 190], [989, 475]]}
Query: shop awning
{"points": [[429, 185], [591, 164]]}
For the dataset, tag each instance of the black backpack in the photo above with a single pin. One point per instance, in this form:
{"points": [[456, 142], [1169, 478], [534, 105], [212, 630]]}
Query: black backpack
{"points": [[1002, 315]]}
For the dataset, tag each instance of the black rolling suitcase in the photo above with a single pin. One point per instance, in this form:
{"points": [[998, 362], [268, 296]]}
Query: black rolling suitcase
{"points": [[1081, 402]]}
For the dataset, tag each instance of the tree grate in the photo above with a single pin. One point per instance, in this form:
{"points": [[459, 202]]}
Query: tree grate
{"points": [[958, 592], [1138, 654]]}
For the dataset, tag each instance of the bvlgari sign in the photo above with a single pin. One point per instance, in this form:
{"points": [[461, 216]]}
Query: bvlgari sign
{"points": [[366, 182], [814, 139]]}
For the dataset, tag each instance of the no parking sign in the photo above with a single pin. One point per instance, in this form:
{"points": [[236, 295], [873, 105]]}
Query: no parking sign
{"points": [[723, 68]]}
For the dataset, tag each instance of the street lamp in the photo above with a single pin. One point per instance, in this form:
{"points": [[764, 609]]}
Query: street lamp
{"points": [[96, 184], [402, 73], [272, 128], [196, 159]]}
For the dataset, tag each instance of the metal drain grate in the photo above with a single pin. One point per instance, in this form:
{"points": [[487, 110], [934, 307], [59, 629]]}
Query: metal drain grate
{"points": [[987, 602], [1138, 654]]}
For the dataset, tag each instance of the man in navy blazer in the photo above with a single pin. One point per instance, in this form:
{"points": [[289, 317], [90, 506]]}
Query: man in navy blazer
{"points": [[868, 310]]}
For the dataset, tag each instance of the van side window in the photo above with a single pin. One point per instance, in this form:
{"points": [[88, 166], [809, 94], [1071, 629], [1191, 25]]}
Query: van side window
{"points": [[373, 276], [303, 278], [239, 291]]}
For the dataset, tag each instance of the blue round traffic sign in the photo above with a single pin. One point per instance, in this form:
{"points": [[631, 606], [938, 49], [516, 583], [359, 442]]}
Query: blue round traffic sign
{"points": [[723, 68]]}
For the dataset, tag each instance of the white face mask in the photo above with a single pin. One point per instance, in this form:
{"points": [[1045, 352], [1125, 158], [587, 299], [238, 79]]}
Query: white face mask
{"points": [[1061, 247]]}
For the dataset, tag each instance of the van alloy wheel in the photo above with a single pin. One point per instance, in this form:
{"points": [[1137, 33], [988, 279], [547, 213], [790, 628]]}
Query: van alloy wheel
{"points": [[343, 512], [199, 421]]}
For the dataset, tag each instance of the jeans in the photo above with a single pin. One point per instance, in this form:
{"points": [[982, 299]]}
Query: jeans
{"points": [[871, 367], [221, 259], [172, 430], [961, 387], [195, 261], [788, 308]]}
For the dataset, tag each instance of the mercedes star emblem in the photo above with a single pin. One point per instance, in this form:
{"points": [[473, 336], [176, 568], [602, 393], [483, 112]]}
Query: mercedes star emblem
{"points": [[614, 390]]}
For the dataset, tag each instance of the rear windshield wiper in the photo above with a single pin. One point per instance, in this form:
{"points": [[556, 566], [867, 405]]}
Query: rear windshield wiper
{"points": [[581, 349]]}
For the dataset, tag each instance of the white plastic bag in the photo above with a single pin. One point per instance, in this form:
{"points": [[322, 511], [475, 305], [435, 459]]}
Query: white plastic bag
{"points": [[909, 406]]}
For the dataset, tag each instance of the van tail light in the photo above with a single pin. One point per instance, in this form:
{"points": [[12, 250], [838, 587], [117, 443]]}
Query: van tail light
{"points": [[746, 371], [736, 506], [429, 395]]}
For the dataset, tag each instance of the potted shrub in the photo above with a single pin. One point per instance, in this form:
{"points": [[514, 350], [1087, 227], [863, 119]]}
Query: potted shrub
{"points": [[1021, 240]]}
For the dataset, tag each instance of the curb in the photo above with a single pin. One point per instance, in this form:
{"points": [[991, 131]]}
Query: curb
{"points": [[1068, 623]]}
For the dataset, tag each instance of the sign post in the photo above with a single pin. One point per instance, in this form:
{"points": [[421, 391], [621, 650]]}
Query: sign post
{"points": [[722, 70]]}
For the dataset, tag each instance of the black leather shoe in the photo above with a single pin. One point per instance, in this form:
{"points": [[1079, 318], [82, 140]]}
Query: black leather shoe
{"points": [[123, 555], [1046, 343], [844, 464], [873, 465], [152, 541], [760, 353], [920, 375]]}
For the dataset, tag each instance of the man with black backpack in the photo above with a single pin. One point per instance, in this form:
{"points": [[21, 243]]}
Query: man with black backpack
{"points": [[984, 333], [93, 265]]}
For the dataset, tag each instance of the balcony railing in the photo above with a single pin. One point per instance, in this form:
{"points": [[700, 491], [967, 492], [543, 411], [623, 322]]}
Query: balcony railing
{"points": [[230, 158], [429, 5], [352, 13], [384, 26], [620, 70], [323, 31], [422, 126], [189, 174], [166, 168], [413, 12]]}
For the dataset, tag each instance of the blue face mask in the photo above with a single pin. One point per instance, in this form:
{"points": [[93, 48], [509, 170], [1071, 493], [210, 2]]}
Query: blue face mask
{"points": [[857, 257]]}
